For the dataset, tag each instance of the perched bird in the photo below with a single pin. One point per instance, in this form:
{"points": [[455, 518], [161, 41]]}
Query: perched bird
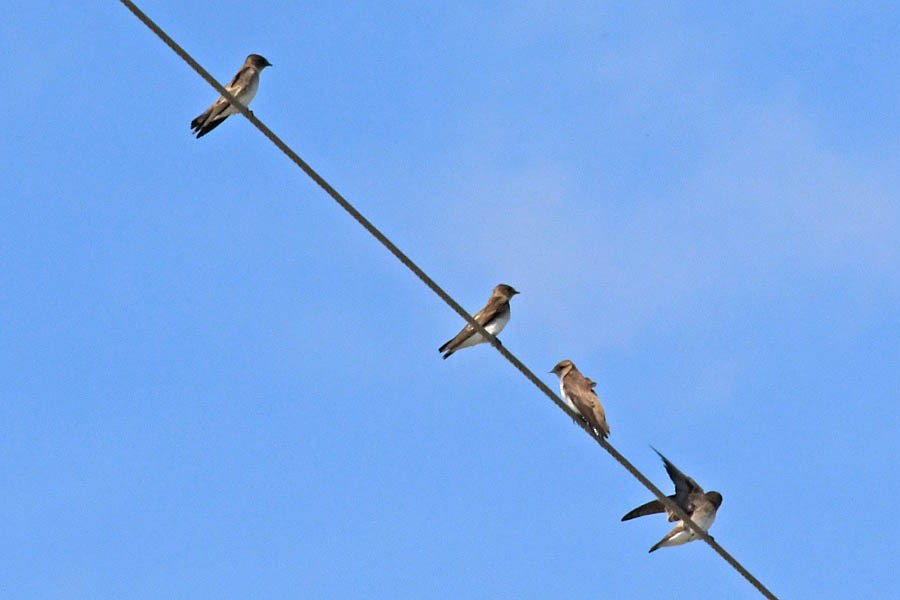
{"points": [[700, 506], [493, 317], [243, 87], [578, 393]]}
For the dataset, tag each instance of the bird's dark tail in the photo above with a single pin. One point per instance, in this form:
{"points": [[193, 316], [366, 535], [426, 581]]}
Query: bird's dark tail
{"points": [[206, 122], [197, 123], [204, 129]]}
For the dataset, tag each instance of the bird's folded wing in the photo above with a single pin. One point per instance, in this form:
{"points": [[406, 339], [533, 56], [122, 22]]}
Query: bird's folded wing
{"points": [[468, 330]]}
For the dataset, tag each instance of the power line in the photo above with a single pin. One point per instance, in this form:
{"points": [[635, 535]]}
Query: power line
{"points": [[443, 295]]}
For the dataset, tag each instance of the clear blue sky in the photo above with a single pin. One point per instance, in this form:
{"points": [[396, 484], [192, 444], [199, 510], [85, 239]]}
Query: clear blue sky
{"points": [[216, 385]]}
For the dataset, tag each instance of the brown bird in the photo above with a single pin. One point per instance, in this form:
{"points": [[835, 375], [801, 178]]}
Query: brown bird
{"points": [[578, 393], [700, 506], [243, 87], [493, 317]]}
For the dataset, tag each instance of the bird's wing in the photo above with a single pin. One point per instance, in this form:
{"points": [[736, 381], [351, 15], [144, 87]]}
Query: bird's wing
{"points": [[238, 84], [579, 389], [240, 80], [490, 311], [685, 487], [483, 317], [650, 508]]}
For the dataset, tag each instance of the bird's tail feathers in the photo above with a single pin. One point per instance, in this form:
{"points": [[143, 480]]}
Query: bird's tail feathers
{"points": [[197, 123], [604, 430]]}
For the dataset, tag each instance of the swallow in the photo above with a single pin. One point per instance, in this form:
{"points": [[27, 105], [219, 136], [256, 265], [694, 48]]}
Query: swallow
{"points": [[243, 87], [578, 393], [493, 317], [700, 506]]}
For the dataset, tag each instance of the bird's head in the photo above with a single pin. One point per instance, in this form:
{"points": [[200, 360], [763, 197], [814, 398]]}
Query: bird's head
{"points": [[258, 61], [507, 291], [562, 366]]}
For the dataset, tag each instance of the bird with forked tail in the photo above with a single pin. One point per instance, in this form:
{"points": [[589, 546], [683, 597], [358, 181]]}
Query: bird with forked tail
{"points": [[243, 87], [493, 317]]}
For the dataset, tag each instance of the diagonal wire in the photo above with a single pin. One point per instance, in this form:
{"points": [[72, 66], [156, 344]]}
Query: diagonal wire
{"points": [[443, 295]]}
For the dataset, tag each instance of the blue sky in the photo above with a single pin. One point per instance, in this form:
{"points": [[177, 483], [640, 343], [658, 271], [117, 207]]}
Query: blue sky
{"points": [[215, 384]]}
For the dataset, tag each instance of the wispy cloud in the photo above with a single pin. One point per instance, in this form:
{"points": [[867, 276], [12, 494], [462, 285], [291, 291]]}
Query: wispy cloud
{"points": [[761, 200]]}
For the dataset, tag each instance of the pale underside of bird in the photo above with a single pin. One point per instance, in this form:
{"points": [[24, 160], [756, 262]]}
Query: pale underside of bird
{"points": [[700, 506], [493, 317], [243, 87], [577, 392]]}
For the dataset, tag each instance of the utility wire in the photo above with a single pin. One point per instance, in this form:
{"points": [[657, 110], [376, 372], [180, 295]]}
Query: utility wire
{"points": [[443, 295]]}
